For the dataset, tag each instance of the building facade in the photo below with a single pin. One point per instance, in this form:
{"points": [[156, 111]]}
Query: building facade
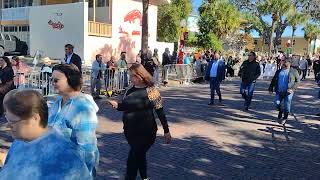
{"points": [[301, 46], [104, 27]]}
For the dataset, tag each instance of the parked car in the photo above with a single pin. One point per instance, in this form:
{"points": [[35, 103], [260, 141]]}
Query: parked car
{"points": [[21, 46], [6, 44], [10, 44]]}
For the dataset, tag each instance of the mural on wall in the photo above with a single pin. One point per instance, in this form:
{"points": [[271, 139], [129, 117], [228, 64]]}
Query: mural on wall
{"points": [[129, 34], [108, 50], [132, 23]]}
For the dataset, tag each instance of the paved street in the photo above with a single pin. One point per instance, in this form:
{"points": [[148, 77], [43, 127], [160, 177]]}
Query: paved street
{"points": [[222, 141]]}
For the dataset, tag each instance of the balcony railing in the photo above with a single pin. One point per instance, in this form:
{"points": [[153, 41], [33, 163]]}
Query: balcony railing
{"points": [[15, 14], [99, 29]]}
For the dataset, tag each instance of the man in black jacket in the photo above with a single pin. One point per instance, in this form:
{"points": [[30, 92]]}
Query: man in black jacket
{"points": [[166, 60], [284, 83], [71, 57], [249, 72]]}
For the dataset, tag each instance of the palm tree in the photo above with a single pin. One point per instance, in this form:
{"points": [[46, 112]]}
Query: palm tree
{"points": [[276, 8], [145, 33], [311, 32], [295, 19]]}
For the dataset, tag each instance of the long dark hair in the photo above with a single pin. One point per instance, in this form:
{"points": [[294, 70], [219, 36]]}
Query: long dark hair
{"points": [[7, 60]]}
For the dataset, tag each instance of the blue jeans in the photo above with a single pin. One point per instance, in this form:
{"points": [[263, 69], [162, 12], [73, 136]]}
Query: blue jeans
{"points": [[246, 90], [214, 86], [286, 98]]}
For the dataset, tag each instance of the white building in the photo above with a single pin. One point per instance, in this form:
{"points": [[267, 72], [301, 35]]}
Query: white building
{"points": [[104, 27]]}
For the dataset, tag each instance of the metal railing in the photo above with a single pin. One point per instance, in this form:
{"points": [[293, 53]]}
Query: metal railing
{"points": [[112, 80], [15, 14], [183, 72], [115, 80], [99, 29]]}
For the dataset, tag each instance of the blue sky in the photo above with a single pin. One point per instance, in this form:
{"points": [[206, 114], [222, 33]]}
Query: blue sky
{"points": [[287, 32]]}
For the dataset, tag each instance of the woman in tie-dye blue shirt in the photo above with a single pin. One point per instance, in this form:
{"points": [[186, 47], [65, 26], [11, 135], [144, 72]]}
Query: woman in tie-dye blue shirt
{"points": [[75, 114], [37, 152]]}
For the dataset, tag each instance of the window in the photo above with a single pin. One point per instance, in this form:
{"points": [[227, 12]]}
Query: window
{"points": [[24, 3], [90, 3], [24, 28], [255, 42], [17, 3], [7, 37], [9, 4], [102, 3], [99, 3], [9, 28]]}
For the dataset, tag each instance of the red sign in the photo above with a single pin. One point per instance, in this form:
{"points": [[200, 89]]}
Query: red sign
{"points": [[56, 25]]}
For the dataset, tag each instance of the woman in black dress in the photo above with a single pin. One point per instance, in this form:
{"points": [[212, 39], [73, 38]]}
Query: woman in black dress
{"points": [[6, 79], [140, 127]]}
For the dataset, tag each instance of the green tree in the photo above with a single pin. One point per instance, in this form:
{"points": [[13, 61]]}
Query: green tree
{"points": [[261, 10], [224, 18], [168, 24], [169, 18], [192, 40], [218, 19], [311, 32], [209, 41], [294, 19], [276, 8]]}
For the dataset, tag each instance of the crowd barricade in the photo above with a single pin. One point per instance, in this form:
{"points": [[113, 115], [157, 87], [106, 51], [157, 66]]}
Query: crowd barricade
{"points": [[179, 72], [116, 80], [113, 80], [40, 81]]}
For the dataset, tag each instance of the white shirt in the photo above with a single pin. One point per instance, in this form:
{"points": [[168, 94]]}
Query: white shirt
{"points": [[69, 58], [214, 69]]}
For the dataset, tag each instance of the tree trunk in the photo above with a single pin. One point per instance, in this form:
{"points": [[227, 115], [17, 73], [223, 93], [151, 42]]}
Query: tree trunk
{"points": [[263, 42], [309, 44], [294, 28], [315, 46], [271, 37], [145, 33]]}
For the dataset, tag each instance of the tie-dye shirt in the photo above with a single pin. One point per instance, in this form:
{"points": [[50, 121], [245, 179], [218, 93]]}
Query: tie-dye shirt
{"points": [[77, 120], [50, 156]]}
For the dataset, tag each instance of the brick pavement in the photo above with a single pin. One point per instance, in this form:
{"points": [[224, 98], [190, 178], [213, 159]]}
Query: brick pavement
{"points": [[220, 142]]}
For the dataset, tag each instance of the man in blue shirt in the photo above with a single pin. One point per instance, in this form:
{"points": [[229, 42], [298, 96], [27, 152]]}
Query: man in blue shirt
{"points": [[215, 74], [284, 82]]}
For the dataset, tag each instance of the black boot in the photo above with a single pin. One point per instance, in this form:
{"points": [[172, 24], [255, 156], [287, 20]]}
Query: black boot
{"points": [[285, 117], [280, 114], [220, 98], [244, 95], [286, 114]]}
